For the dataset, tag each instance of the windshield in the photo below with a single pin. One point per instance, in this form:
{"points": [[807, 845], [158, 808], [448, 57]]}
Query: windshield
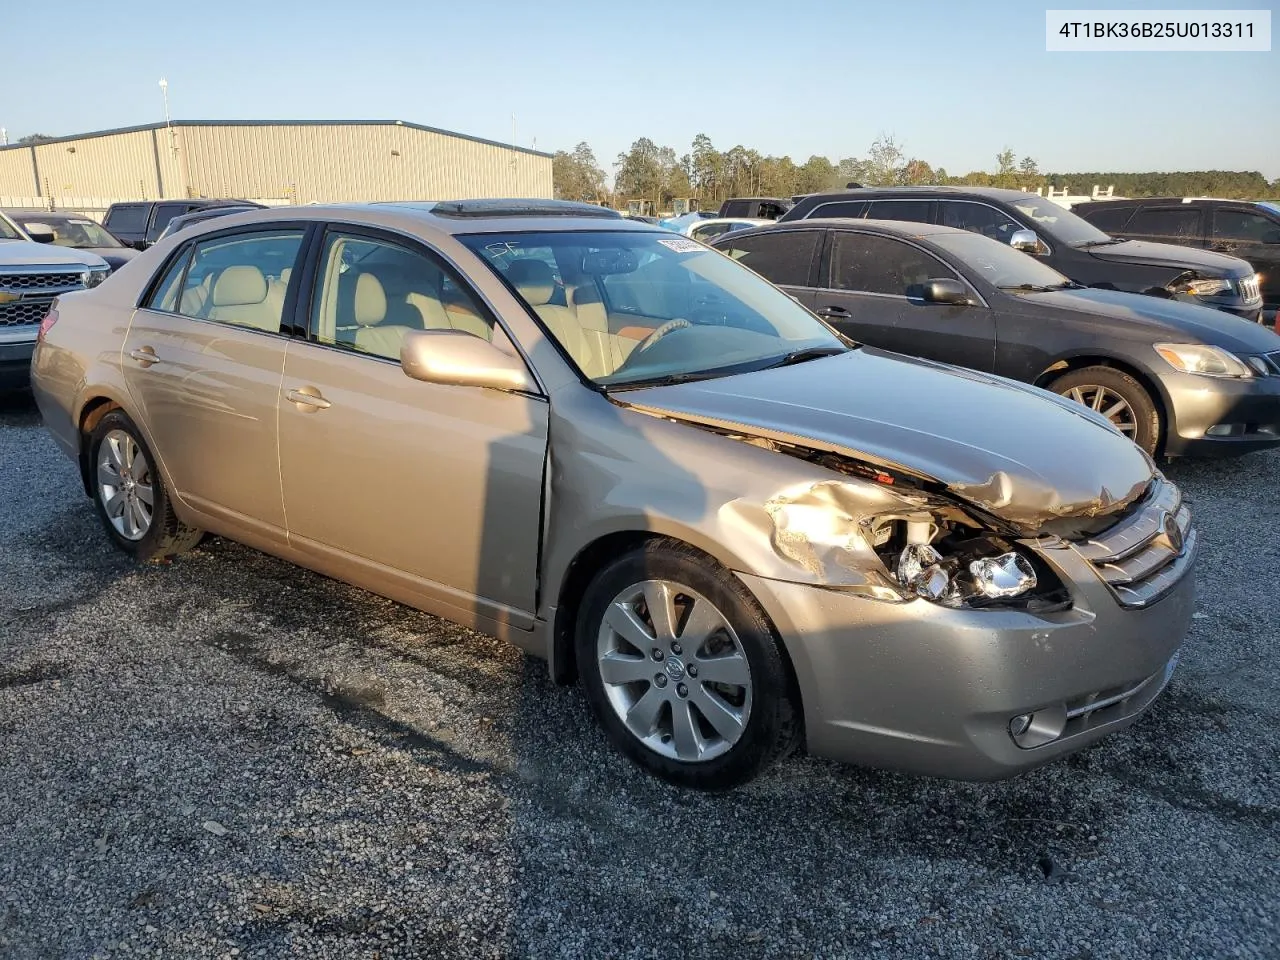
{"points": [[7, 232], [1000, 264], [79, 232], [1059, 222], [632, 307]]}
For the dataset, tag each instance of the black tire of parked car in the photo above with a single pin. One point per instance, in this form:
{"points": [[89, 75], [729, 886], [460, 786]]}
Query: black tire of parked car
{"points": [[1146, 415], [167, 536], [774, 727]]}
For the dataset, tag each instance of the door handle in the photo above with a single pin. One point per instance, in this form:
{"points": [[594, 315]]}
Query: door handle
{"points": [[308, 399], [834, 312], [145, 356]]}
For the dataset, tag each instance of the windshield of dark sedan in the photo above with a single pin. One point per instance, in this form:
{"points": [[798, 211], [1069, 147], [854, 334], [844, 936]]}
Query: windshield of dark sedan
{"points": [[631, 306], [1059, 222], [80, 233], [998, 263]]}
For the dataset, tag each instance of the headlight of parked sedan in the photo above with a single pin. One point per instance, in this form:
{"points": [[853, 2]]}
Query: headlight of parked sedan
{"points": [[1208, 287], [94, 276], [1202, 359]]}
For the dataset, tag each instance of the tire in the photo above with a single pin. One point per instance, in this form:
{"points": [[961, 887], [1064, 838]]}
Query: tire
{"points": [[1105, 386], [670, 701], [118, 452]]}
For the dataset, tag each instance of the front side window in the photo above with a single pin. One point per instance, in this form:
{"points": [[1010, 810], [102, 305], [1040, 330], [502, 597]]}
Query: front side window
{"points": [[164, 213], [912, 211], [1177, 224], [703, 315], [784, 257], [866, 263], [998, 263], [241, 279], [1243, 227], [370, 293], [977, 218]]}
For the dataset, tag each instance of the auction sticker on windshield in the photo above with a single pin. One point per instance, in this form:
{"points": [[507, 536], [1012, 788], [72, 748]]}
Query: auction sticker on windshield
{"points": [[1157, 31], [682, 245]]}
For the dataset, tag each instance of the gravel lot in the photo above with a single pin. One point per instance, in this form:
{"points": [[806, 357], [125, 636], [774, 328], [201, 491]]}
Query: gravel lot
{"points": [[231, 757]]}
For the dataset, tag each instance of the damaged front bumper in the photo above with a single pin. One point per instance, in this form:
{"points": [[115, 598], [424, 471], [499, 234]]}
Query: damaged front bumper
{"points": [[933, 690]]}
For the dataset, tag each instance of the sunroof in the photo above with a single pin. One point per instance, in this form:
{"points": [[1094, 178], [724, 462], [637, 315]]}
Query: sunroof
{"points": [[521, 208]]}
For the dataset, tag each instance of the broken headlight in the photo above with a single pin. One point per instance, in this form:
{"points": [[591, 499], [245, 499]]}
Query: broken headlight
{"points": [[1205, 287], [957, 566]]}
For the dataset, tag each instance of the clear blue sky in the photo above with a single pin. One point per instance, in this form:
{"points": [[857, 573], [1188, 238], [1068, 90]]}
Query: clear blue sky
{"points": [[955, 82]]}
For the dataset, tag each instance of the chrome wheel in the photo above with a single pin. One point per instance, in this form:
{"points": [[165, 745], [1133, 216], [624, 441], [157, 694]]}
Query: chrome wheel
{"points": [[1107, 402], [674, 671], [125, 485]]}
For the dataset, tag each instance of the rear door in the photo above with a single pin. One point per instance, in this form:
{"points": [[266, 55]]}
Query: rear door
{"points": [[786, 258], [869, 291], [203, 360], [1253, 237]]}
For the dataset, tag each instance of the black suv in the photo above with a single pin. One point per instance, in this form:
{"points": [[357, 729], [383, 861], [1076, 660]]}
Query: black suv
{"points": [[1243, 228], [139, 223], [1057, 237]]}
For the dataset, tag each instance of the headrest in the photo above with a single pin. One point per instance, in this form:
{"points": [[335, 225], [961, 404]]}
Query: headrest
{"points": [[238, 286], [371, 300], [588, 307], [285, 274], [533, 278]]}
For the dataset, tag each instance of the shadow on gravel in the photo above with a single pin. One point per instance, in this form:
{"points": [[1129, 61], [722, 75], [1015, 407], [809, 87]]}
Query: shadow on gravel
{"points": [[18, 409]]}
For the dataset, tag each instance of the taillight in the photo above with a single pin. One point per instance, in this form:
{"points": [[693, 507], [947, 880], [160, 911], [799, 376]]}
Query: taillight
{"points": [[49, 320]]}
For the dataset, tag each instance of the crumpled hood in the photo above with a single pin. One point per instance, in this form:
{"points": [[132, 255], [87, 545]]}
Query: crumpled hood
{"points": [[28, 253], [1172, 255], [1013, 450]]}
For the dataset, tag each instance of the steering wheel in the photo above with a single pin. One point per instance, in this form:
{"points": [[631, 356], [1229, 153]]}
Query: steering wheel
{"points": [[678, 323]]}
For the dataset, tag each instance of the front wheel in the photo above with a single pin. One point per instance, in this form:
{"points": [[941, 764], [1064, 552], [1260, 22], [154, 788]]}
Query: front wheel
{"points": [[1118, 397], [130, 494], [682, 670]]}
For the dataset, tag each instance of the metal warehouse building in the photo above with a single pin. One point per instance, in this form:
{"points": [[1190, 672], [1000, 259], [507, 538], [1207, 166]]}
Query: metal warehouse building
{"points": [[275, 161]]}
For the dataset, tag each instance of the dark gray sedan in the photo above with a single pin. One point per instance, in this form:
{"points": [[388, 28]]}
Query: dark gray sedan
{"points": [[1175, 377]]}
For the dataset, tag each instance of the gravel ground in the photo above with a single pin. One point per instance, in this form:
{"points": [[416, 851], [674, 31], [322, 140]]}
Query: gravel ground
{"points": [[231, 757]]}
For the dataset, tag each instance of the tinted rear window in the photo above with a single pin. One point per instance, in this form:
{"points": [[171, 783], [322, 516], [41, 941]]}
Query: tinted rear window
{"points": [[1108, 219], [913, 211], [128, 218], [784, 258], [1170, 223]]}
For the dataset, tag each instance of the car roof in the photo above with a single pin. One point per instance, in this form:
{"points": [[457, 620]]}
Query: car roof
{"points": [[459, 216], [31, 212], [994, 193]]}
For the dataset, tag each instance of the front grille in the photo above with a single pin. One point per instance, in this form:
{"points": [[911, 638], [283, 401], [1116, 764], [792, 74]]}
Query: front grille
{"points": [[1250, 289], [57, 281], [23, 312], [1143, 557]]}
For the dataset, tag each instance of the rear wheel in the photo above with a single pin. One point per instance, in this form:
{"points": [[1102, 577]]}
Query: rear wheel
{"points": [[682, 669], [1118, 397], [130, 494]]}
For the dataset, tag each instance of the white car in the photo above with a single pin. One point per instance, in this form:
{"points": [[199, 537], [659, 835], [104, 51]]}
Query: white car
{"points": [[708, 230]]}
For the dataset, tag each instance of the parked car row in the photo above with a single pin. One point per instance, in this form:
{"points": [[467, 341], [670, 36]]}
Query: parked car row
{"points": [[635, 457]]}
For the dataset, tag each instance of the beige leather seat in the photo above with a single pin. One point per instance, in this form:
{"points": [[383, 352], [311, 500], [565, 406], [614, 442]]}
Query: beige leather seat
{"points": [[195, 300], [373, 335], [536, 284], [590, 310], [242, 296]]}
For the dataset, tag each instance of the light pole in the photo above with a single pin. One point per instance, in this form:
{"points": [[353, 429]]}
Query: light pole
{"points": [[168, 123]]}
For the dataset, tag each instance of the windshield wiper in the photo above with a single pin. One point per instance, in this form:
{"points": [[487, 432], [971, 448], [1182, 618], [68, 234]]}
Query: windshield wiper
{"points": [[1099, 243], [666, 380], [800, 356], [1041, 288]]}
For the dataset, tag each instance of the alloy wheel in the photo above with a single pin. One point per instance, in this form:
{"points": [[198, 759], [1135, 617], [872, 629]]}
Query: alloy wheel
{"points": [[1107, 402], [674, 671], [125, 485]]}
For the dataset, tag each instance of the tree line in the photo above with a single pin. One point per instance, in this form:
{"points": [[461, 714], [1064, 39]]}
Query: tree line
{"points": [[708, 176]]}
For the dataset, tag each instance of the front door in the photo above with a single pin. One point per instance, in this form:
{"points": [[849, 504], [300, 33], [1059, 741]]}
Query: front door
{"points": [[869, 293], [202, 362], [435, 487]]}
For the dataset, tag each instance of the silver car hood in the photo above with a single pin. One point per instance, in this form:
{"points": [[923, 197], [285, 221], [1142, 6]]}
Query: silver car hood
{"points": [[1020, 453], [28, 253]]}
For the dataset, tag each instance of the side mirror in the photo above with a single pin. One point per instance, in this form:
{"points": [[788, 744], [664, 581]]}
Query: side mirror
{"points": [[40, 232], [460, 359], [943, 291], [1026, 241]]}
